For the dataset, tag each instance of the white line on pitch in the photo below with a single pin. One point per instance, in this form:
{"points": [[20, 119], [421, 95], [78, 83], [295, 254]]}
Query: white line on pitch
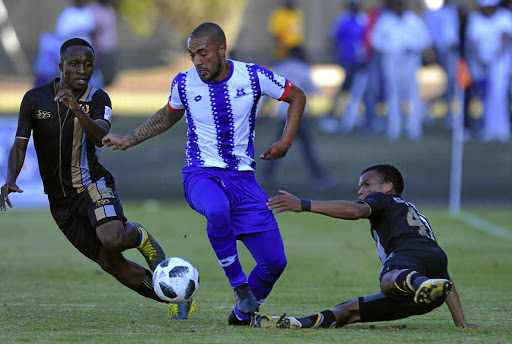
{"points": [[484, 226]]}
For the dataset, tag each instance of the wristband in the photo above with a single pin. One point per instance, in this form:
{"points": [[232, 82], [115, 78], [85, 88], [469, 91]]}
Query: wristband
{"points": [[305, 204]]}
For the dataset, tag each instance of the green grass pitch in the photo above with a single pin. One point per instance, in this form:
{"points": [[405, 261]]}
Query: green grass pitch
{"points": [[50, 293]]}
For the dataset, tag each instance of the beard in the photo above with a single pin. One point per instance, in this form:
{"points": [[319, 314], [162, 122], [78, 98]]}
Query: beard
{"points": [[216, 69]]}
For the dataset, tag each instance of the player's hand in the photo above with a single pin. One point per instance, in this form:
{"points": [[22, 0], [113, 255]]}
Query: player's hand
{"points": [[277, 150], [284, 201], [116, 142], [4, 198], [65, 96]]}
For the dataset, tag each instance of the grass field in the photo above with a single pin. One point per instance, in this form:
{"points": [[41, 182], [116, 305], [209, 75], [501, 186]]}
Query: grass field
{"points": [[49, 293]]}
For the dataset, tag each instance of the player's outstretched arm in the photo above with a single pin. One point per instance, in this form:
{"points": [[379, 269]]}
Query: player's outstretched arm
{"points": [[159, 122], [455, 307], [14, 165], [285, 201]]}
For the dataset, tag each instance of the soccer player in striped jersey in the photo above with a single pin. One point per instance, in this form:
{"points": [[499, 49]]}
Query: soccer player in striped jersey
{"points": [[414, 277], [219, 98]]}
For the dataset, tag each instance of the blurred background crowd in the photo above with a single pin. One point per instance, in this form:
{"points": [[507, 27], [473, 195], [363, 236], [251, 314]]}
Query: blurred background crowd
{"points": [[384, 66], [371, 68]]}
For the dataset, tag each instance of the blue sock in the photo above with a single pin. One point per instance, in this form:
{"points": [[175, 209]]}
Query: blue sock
{"points": [[227, 254]]}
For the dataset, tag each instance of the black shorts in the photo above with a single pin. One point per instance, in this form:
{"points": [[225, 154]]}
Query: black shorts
{"points": [[79, 215], [429, 261], [379, 307]]}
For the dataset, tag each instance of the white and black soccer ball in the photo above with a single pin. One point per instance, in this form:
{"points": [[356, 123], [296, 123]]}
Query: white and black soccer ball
{"points": [[175, 280]]}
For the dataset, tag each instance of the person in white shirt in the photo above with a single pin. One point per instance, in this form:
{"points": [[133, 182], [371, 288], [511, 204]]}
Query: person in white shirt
{"points": [[489, 35], [444, 27], [400, 36]]}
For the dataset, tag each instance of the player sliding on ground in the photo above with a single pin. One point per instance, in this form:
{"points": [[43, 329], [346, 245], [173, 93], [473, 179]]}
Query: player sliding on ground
{"points": [[414, 277]]}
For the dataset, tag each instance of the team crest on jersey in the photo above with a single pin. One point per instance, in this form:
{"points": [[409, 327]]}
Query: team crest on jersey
{"points": [[85, 107], [240, 92], [42, 114], [198, 98]]}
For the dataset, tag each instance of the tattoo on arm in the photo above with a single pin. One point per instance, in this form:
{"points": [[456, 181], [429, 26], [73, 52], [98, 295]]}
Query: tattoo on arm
{"points": [[162, 120]]}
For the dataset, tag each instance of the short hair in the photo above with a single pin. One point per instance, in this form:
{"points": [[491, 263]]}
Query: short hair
{"points": [[389, 174], [74, 42], [213, 31]]}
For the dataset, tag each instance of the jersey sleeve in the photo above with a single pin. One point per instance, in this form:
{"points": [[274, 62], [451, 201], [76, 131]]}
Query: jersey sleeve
{"points": [[101, 107], [272, 84], [175, 103], [377, 201], [25, 118]]}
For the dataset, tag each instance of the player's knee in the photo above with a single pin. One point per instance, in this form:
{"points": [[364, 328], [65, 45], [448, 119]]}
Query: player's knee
{"points": [[218, 219], [111, 236], [387, 286], [274, 266]]}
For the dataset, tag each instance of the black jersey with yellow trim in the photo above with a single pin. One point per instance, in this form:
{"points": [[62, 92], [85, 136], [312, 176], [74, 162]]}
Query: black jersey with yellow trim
{"points": [[67, 159]]}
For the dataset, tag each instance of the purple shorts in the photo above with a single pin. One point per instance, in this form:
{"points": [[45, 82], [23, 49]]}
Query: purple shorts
{"points": [[247, 200]]}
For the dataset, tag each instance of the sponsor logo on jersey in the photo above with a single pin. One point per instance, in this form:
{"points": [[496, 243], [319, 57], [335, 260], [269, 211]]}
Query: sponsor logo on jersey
{"points": [[102, 202], [240, 92], [42, 114]]}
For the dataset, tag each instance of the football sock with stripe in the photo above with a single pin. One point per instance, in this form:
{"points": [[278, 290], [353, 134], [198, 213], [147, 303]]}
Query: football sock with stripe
{"points": [[146, 288], [325, 319], [408, 281]]}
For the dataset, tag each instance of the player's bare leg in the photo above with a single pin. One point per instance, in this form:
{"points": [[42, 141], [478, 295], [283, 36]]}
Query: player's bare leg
{"points": [[128, 273]]}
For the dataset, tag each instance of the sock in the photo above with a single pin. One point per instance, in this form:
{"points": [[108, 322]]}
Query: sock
{"points": [[146, 288], [141, 236], [227, 255], [408, 281], [325, 319]]}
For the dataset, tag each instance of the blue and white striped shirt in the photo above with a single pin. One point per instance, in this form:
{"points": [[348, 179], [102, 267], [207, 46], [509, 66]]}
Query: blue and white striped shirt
{"points": [[221, 115]]}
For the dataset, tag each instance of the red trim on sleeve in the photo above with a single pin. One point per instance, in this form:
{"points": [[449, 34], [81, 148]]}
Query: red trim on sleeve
{"points": [[286, 90], [173, 109]]}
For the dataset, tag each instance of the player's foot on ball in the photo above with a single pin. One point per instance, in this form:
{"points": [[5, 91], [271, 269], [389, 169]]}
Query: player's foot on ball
{"points": [[181, 311], [150, 248], [235, 321], [245, 299], [432, 289], [259, 320]]}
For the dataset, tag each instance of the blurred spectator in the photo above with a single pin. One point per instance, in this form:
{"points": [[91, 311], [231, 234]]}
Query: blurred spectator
{"points": [[104, 39], [400, 36], [77, 20], [46, 64], [489, 35], [443, 25], [297, 69], [347, 32], [286, 24], [374, 90]]}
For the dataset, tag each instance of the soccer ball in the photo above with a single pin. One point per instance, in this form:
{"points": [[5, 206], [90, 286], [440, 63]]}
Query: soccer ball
{"points": [[175, 280]]}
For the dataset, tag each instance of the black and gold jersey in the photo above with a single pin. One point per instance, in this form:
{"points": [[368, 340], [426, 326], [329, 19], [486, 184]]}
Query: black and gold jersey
{"points": [[67, 159], [397, 224]]}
